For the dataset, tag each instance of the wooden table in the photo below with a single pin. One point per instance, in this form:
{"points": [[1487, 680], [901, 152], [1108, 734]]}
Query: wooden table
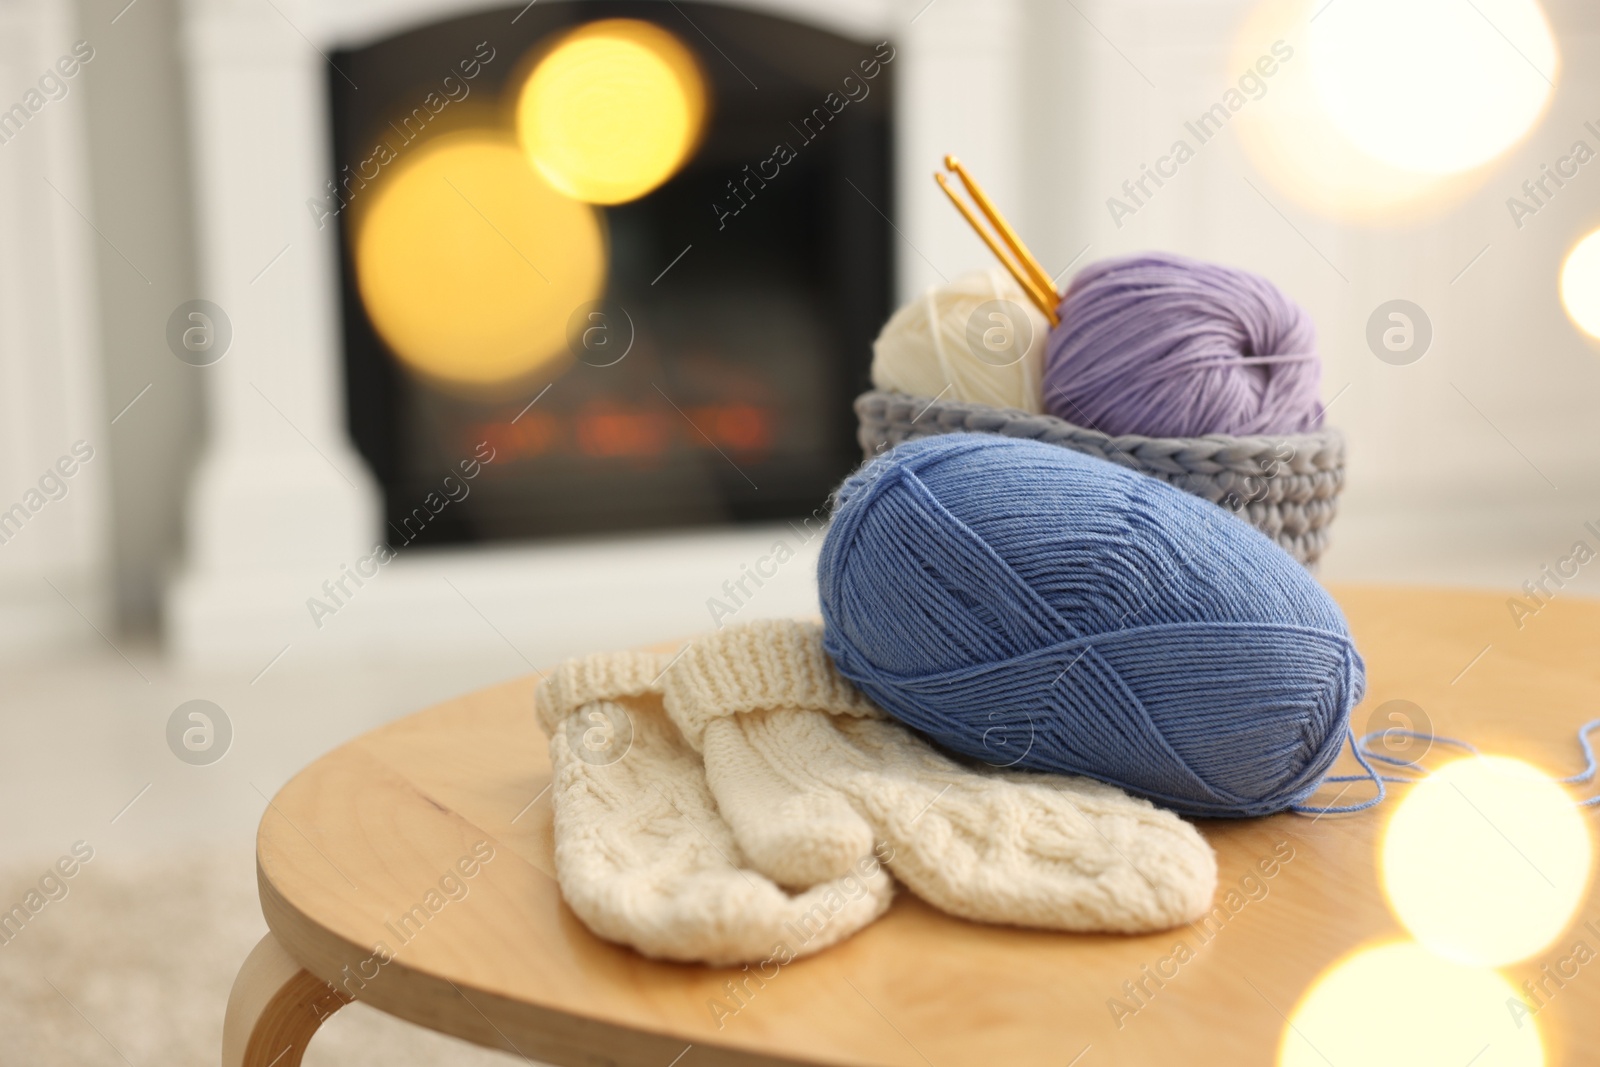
{"points": [[361, 837]]}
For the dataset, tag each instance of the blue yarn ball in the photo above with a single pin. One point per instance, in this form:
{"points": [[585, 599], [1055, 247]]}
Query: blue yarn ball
{"points": [[1034, 607]]}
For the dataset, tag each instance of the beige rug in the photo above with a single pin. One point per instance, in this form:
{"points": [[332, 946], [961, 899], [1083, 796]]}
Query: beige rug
{"points": [[132, 969]]}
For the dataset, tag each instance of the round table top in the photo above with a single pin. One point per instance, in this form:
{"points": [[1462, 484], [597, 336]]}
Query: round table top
{"points": [[363, 860]]}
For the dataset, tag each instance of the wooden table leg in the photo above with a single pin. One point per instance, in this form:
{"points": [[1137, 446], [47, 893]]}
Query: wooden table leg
{"points": [[274, 1008]]}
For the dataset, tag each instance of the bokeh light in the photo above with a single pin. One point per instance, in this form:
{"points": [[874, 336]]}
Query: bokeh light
{"points": [[1339, 99], [612, 110], [1433, 86], [1580, 284], [1486, 860], [1289, 137], [1399, 1004], [468, 264]]}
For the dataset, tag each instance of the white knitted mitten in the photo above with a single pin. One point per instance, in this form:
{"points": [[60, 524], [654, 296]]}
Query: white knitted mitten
{"points": [[643, 857], [808, 772]]}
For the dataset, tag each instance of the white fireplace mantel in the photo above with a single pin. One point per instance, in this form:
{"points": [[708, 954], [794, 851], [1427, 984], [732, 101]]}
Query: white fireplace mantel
{"points": [[281, 501]]}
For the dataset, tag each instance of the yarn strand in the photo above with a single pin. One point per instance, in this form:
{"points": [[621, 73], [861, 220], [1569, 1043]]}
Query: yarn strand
{"points": [[1587, 774], [1372, 775], [1363, 750]]}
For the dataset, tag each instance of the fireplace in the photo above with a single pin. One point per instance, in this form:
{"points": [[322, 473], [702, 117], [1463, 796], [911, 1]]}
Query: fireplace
{"points": [[609, 502], [708, 379]]}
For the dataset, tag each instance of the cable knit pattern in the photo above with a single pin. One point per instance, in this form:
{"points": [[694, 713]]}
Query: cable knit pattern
{"points": [[806, 777], [643, 858]]}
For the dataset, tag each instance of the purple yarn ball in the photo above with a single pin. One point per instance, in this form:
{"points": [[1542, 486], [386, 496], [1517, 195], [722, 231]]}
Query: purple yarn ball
{"points": [[1166, 346]]}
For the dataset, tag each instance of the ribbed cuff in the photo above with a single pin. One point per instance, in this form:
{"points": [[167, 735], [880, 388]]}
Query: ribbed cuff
{"points": [[772, 663], [605, 676]]}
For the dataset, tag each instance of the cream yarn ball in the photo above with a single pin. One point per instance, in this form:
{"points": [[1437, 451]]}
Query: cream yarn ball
{"points": [[977, 338]]}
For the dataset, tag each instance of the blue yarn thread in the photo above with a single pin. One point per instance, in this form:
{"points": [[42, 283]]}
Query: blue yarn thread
{"points": [[1030, 606], [1365, 751], [1587, 774]]}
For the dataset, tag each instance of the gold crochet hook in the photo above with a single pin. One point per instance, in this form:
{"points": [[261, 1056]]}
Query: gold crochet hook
{"points": [[1009, 249]]}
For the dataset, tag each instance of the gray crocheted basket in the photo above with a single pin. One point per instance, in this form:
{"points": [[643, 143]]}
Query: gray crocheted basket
{"points": [[1286, 487]]}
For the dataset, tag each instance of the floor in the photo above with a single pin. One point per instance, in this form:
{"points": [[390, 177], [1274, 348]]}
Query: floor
{"points": [[133, 964]]}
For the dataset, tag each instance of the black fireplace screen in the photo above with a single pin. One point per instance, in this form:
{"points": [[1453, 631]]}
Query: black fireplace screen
{"points": [[608, 266]]}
